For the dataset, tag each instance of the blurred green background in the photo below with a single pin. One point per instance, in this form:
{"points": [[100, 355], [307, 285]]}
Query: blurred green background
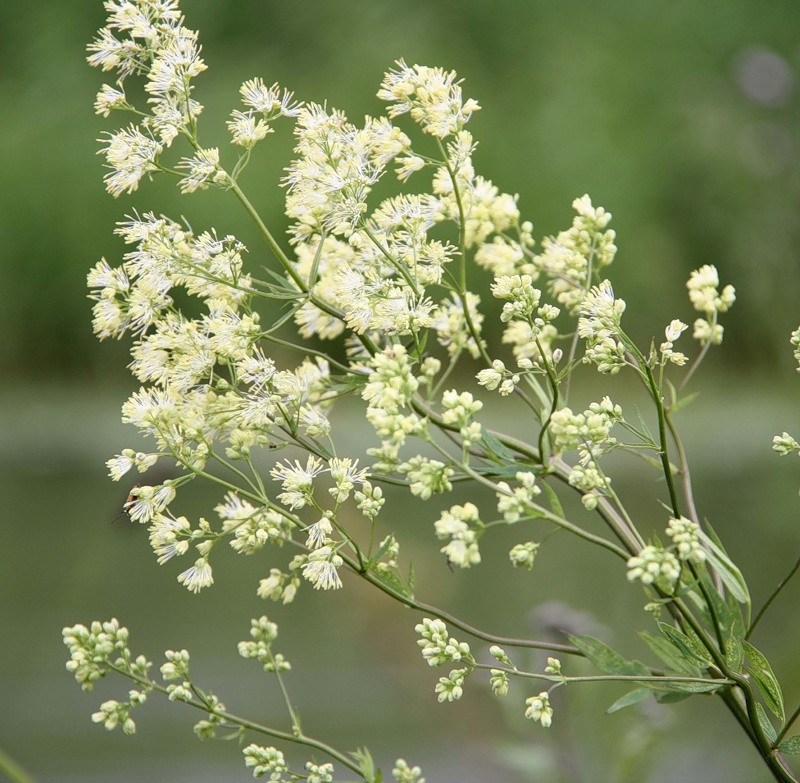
{"points": [[680, 118]]}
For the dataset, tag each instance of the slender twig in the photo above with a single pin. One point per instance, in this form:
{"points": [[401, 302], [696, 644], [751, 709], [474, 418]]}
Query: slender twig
{"points": [[772, 597]]}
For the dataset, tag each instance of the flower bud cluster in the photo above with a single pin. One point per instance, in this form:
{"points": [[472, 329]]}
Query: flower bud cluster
{"points": [[461, 525], [93, 649], [672, 333], [785, 444], [265, 761], [539, 709], [654, 565], [279, 586], [589, 433], [458, 411], [523, 555], [263, 633], [402, 773], [517, 503], [685, 535], [426, 476], [703, 285], [451, 688], [437, 647]]}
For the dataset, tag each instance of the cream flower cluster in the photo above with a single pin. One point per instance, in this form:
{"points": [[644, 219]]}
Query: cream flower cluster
{"points": [[573, 258], [704, 294]]}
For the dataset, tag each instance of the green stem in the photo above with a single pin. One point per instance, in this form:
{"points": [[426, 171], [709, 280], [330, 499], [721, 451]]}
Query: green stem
{"points": [[298, 739], [785, 730], [434, 611], [14, 772], [772, 597], [662, 437]]}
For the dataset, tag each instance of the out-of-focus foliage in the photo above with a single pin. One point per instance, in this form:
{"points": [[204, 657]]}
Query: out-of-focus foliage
{"points": [[680, 118]]}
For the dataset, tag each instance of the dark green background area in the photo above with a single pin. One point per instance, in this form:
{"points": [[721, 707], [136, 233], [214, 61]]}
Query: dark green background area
{"points": [[680, 118]]}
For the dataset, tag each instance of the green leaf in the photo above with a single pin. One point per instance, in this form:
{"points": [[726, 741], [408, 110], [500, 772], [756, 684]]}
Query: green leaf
{"points": [[365, 763], [766, 724], [725, 567], [683, 402], [667, 652], [628, 700], [392, 580], [690, 648], [496, 449], [671, 697], [552, 497], [734, 654], [791, 746], [382, 549], [606, 659], [688, 687], [648, 436], [765, 679]]}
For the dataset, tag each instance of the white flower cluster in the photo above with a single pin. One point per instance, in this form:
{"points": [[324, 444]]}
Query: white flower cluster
{"points": [[461, 525], [403, 773], [263, 633], [589, 433], [685, 536], [458, 411], [599, 324], [517, 503], [572, 259], [675, 329], [529, 322], [654, 565], [703, 285], [337, 167], [148, 39], [785, 444], [437, 647], [262, 106], [539, 709], [795, 341], [431, 95], [523, 555]]}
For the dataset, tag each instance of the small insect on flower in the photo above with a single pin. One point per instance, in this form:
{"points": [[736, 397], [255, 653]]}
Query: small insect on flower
{"points": [[126, 506]]}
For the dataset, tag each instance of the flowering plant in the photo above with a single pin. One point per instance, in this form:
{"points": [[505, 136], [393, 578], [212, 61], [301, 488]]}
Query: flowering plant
{"points": [[386, 286]]}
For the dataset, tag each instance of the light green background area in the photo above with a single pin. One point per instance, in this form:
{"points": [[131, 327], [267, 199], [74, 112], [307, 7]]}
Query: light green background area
{"points": [[681, 118]]}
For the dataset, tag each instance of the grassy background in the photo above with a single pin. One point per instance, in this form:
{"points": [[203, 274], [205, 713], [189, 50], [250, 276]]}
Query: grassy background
{"points": [[681, 119]]}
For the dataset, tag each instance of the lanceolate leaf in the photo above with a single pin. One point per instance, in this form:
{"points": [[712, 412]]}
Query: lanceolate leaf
{"points": [[496, 449], [791, 746], [725, 567], [765, 679], [693, 652], [669, 654], [555, 503], [766, 724], [607, 660], [629, 699]]}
